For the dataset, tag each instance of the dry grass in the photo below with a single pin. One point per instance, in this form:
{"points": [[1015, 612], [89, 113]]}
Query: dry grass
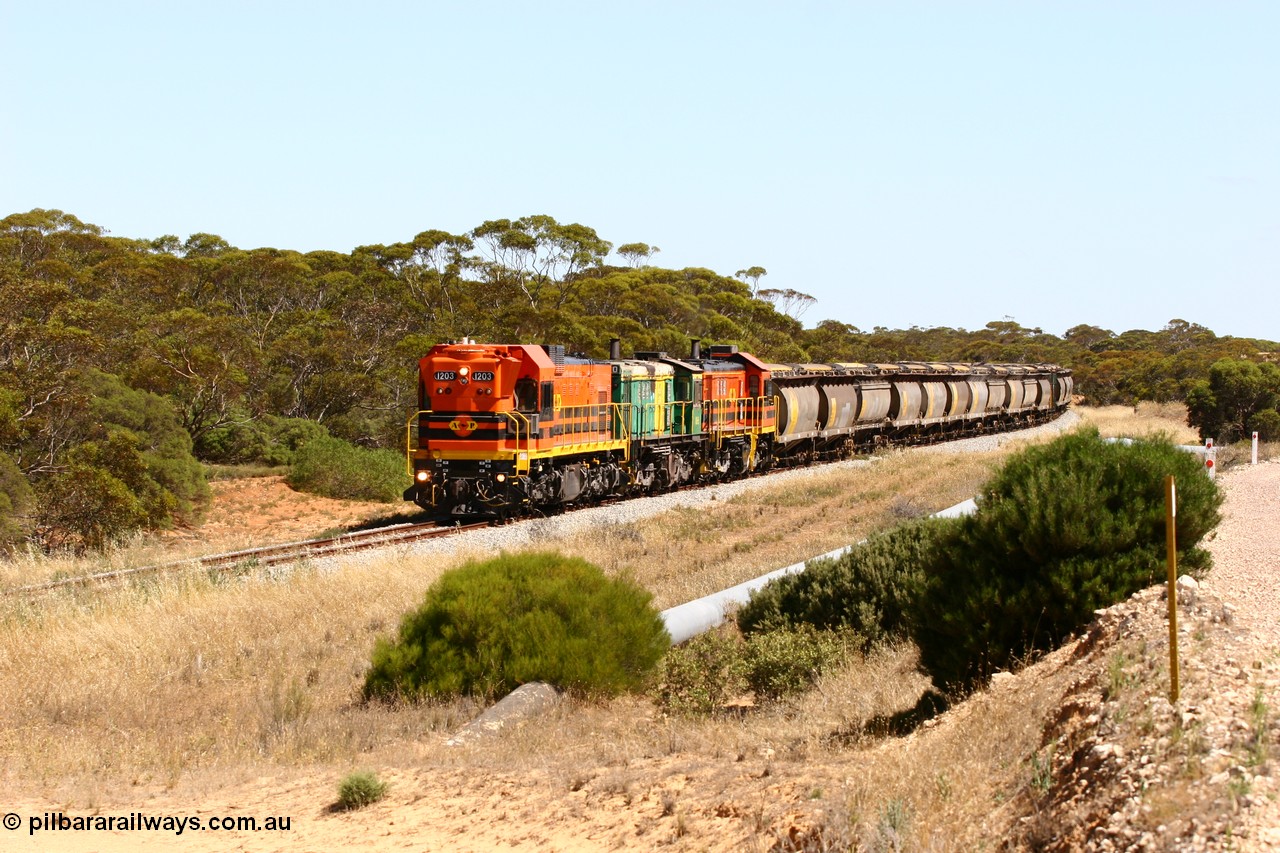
{"points": [[194, 677], [32, 566], [166, 677], [1142, 420], [690, 552], [169, 676]]}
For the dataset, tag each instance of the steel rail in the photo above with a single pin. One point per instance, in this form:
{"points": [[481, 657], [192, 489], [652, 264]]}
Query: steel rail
{"points": [[266, 555]]}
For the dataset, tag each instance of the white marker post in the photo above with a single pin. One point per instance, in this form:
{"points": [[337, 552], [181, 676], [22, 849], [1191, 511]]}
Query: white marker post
{"points": [[1171, 545], [1254, 459], [1210, 456]]}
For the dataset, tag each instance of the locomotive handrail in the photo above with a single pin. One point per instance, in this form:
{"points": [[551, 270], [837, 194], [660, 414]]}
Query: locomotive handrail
{"points": [[738, 416], [517, 418], [684, 408], [408, 438]]}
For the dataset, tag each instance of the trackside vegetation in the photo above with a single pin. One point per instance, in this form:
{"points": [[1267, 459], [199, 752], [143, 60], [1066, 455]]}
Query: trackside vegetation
{"points": [[336, 469], [1239, 397], [870, 590], [488, 627], [1061, 530], [704, 674]]}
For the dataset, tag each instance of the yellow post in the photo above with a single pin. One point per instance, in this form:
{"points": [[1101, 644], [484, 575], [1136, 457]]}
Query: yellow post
{"points": [[1170, 538]]}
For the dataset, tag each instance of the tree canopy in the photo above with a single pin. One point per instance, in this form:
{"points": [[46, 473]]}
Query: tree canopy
{"points": [[100, 334]]}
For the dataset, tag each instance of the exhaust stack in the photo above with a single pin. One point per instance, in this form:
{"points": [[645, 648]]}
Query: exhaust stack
{"points": [[615, 349]]}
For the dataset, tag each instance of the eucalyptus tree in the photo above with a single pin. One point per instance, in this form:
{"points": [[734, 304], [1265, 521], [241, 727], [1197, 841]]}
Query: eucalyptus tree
{"points": [[637, 254], [753, 275], [537, 256]]}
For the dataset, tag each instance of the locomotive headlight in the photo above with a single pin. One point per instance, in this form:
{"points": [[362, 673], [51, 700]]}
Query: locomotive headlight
{"points": [[423, 476], [501, 478], [464, 371]]}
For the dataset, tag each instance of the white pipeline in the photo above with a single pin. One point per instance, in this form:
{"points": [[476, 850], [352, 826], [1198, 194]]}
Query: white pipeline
{"points": [[692, 618]]}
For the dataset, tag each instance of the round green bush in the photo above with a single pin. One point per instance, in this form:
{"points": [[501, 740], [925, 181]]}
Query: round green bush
{"points": [[360, 789], [488, 627], [333, 468], [1063, 529]]}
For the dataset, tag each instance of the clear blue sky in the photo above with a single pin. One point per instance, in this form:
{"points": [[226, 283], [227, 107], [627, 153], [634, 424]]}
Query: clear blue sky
{"points": [[907, 163]]}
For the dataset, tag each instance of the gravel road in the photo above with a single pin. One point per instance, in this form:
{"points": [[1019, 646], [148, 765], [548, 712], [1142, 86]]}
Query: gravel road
{"points": [[1246, 549], [1246, 575]]}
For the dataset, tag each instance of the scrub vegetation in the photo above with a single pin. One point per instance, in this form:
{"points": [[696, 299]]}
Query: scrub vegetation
{"points": [[1062, 529], [488, 627]]}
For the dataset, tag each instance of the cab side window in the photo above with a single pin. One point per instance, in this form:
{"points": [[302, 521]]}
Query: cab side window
{"points": [[548, 399], [526, 395]]}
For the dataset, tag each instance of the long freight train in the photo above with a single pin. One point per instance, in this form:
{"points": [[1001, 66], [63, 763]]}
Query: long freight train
{"points": [[505, 429]]}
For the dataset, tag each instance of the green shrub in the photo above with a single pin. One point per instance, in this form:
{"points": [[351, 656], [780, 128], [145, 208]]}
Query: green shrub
{"points": [[488, 627], [1061, 530], [266, 440], [172, 474], [17, 502], [1236, 391], [1266, 424], [785, 661], [336, 469], [113, 486], [88, 507], [870, 590], [700, 675], [360, 789]]}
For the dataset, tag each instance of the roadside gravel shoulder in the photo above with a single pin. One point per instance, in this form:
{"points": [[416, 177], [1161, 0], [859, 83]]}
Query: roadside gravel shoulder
{"points": [[1246, 549], [1246, 574]]}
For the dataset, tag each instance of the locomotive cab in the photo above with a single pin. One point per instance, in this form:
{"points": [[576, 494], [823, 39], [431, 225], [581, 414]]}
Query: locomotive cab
{"points": [[497, 424], [467, 393]]}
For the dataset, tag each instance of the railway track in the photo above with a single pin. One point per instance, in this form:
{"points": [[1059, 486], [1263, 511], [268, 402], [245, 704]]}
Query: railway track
{"points": [[268, 555]]}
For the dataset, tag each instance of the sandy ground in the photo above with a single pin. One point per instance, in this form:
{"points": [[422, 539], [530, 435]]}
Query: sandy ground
{"points": [[262, 510]]}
